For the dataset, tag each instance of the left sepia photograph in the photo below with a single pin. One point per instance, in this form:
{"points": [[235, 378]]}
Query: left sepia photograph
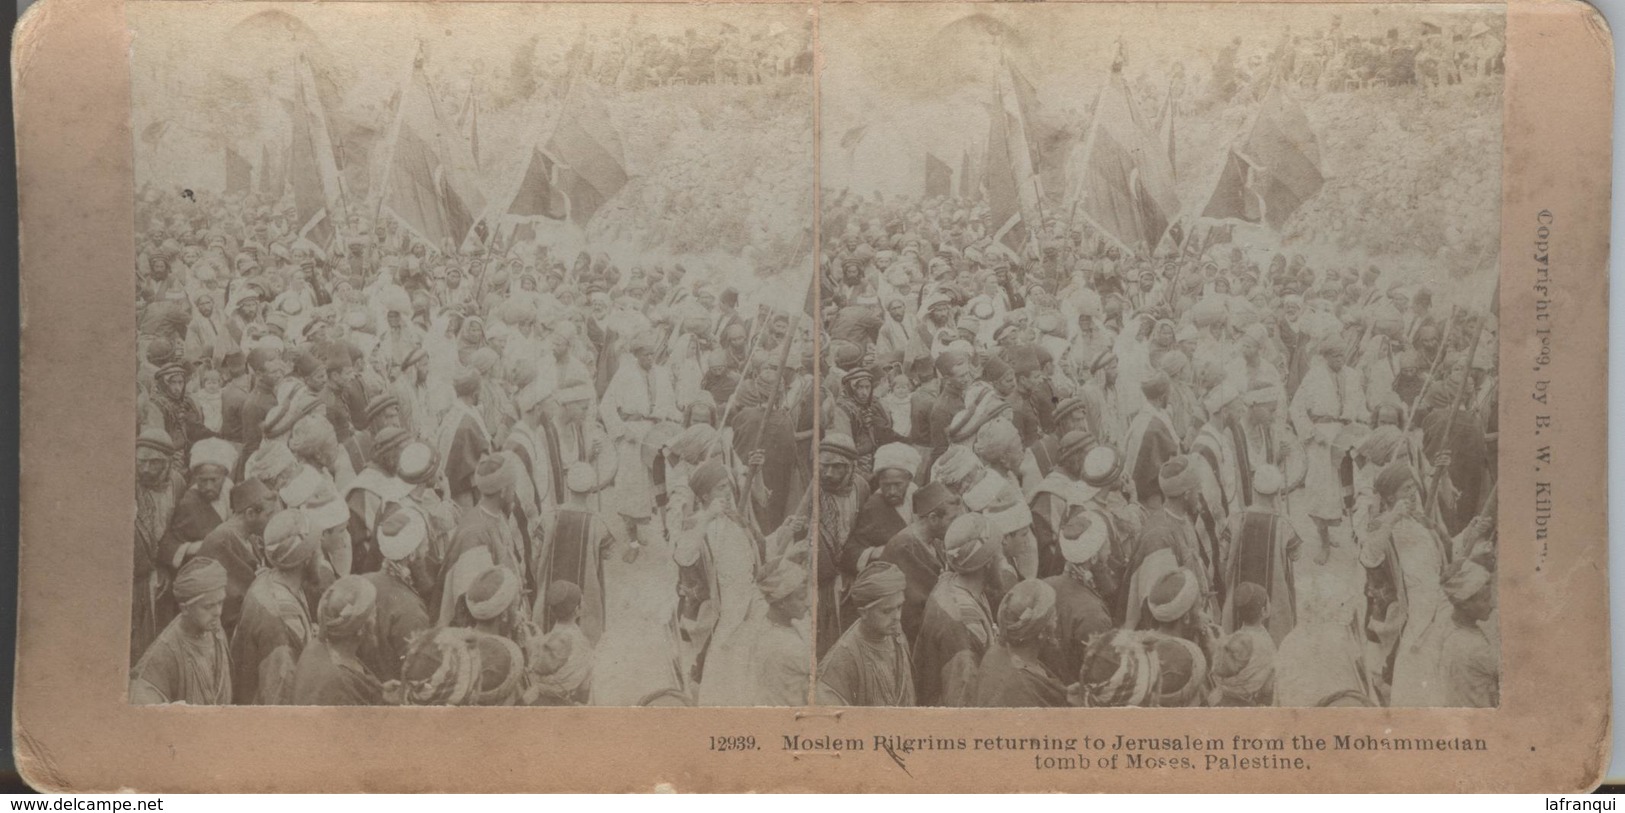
{"points": [[474, 354]]}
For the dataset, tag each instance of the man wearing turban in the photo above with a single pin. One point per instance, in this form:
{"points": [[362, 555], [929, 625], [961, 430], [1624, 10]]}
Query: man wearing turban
{"points": [[780, 673], [861, 417], [200, 509], [463, 439], [158, 487], [917, 549], [1012, 673], [275, 622], [1330, 398], [1151, 440], [638, 397], [957, 625], [886, 512], [840, 496], [869, 665], [1469, 666], [401, 585], [486, 534], [236, 545], [188, 662], [330, 671], [1171, 526]]}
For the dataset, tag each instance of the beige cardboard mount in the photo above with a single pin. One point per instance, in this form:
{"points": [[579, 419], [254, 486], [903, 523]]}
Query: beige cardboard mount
{"points": [[75, 732]]}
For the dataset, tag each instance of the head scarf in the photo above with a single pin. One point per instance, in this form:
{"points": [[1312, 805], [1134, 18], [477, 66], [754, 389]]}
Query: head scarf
{"points": [[1126, 670], [780, 579], [346, 606], [1463, 580], [153, 443], [1173, 596], [1378, 447], [495, 474], [214, 452], [875, 582], [966, 544], [1392, 477], [270, 461], [441, 668], [289, 543], [901, 456], [1025, 610], [1177, 476], [492, 593], [954, 466], [200, 576]]}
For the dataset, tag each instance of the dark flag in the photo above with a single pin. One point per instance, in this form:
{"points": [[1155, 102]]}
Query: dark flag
{"points": [[430, 184], [588, 148], [939, 177], [1123, 182], [539, 192], [1273, 170], [1003, 189]]}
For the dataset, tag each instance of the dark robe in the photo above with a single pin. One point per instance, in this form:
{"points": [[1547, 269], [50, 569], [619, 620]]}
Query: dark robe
{"points": [[267, 643], [1080, 613], [874, 526], [192, 521], [778, 443], [324, 678], [955, 632], [921, 563], [401, 614], [1010, 682], [238, 551], [948, 404], [1261, 553], [573, 556]]}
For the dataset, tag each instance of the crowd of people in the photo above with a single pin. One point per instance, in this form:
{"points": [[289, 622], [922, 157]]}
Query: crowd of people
{"points": [[1333, 60], [1074, 475], [374, 472], [721, 55]]}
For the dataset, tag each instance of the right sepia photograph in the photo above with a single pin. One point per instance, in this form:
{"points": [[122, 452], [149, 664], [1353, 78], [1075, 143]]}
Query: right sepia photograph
{"points": [[1160, 355]]}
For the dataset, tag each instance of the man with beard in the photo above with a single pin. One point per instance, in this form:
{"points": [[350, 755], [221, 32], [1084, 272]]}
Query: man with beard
{"points": [[638, 398], [917, 549], [463, 439], [235, 544], [402, 612], [486, 536], [957, 373], [1034, 396], [267, 369], [839, 497], [157, 489], [411, 391], [198, 511], [862, 419], [760, 411], [203, 334], [183, 420], [869, 665], [188, 662], [885, 513]]}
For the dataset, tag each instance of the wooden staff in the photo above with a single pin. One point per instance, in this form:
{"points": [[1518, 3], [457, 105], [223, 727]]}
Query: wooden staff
{"points": [[1450, 424], [1433, 369]]}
